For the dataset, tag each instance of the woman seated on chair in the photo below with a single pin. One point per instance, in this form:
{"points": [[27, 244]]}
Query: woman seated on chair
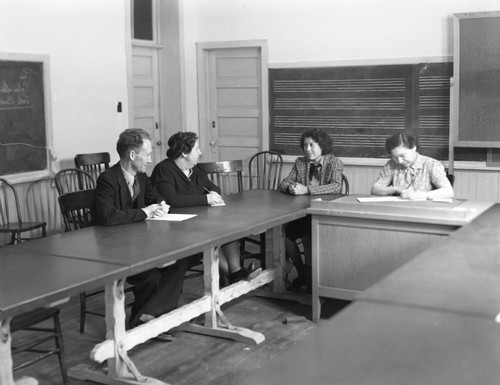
{"points": [[318, 172], [182, 183], [409, 174]]}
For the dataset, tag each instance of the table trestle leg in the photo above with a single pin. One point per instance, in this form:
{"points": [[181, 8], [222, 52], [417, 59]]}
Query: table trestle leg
{"points": [[120, 368], [6, 375], [216, 323]]}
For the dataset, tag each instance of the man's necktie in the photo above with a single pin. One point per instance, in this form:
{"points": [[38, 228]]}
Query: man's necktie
{"points": [[136, 188], [314, 171]]}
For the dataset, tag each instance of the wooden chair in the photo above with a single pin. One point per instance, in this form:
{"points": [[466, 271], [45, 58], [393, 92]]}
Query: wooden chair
{"points": [[222, 174], [73, 179], [35, 342], [94, 163], [264, 170], [77, 208], [10, 216], [345, 185]]}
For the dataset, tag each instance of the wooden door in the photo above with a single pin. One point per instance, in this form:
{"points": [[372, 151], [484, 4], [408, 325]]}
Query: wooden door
{"points": [[232, 125], [145, 79]]}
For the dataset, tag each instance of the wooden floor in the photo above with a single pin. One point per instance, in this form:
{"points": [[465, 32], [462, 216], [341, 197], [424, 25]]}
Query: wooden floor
{"points": [[189, 359]]}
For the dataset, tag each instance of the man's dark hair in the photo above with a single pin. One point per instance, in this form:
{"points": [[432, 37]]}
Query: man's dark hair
{"points": [[131, 139]]}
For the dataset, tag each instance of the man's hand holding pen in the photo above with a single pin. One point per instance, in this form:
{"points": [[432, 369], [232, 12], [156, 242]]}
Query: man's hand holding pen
{"points": [[414, 195]]}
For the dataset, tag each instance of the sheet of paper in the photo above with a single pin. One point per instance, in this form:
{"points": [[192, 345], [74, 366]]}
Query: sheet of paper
{"points": [[381, 199], [387, 199], [218, 204], [173, 217]]}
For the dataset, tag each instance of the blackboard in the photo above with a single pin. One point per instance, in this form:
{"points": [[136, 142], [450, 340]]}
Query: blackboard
{"points": [[23, 131], [361, 106], [476, 90]]}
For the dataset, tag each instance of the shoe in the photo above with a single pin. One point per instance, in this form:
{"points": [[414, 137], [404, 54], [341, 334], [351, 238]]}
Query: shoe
{"points": [[298, 283], [243, 274], [164, 337]]}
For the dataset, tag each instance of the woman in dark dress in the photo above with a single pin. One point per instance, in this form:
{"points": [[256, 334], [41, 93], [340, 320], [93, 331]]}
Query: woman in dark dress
{"points": [[182, 183]]}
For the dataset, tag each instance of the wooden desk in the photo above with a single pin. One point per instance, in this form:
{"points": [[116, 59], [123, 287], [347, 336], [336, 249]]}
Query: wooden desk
{"points": [[459, 275], [33, 279], [357, 244], [431, 321], [377, 344], [142, 246]]}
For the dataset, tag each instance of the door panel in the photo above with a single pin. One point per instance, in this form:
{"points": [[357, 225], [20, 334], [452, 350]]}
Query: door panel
{"points": [[235, 104], [146, 97]]}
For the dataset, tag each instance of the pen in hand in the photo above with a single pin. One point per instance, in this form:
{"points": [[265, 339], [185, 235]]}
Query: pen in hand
{"points": [[214, 201]]}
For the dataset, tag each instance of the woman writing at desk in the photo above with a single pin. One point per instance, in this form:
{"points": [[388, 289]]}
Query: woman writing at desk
{"points": [[411, 175], [182, 183]]}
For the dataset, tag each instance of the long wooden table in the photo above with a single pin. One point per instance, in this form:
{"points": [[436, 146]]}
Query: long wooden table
{"points": [[357, 244], [133, 248], [33, 279], [380, 344]]}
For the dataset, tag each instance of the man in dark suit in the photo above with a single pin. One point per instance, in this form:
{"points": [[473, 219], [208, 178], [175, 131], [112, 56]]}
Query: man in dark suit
{"points": [[124, 194]]}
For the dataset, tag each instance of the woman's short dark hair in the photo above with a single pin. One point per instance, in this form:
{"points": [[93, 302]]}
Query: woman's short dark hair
{"points": [[131, 139], [181, 143], [400, 139], [320, 137]]}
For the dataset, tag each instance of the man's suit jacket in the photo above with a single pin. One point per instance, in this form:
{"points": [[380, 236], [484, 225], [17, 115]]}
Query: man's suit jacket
{"points": [[113, 203]]}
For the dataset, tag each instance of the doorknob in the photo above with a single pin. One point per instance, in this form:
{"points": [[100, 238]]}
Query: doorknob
{"points": [[158, 143], [212, 143]]}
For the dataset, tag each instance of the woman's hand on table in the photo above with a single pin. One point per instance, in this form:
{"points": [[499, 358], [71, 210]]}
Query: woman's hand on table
{"points": [[298, 189], [213, 198]]}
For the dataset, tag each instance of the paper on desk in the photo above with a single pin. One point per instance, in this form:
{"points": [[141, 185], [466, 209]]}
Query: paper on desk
{"points": [[218, 204], [173, 217], [381, 199]]}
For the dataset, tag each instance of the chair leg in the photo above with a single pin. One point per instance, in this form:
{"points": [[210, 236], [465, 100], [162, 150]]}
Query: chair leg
{"points": [[263, 250], [83, 310], [60, 349]]}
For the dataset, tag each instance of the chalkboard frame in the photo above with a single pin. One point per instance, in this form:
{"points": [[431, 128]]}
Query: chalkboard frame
{"points": [[43, 60], [469, 126]]}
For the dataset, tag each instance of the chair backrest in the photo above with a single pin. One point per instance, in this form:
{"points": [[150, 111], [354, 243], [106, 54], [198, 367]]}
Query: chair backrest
{"points": [[451, 177], [345, 185], [223, 173], [73, 179], [264, 170], [77, 208], [94, 164], [9, 203]]}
